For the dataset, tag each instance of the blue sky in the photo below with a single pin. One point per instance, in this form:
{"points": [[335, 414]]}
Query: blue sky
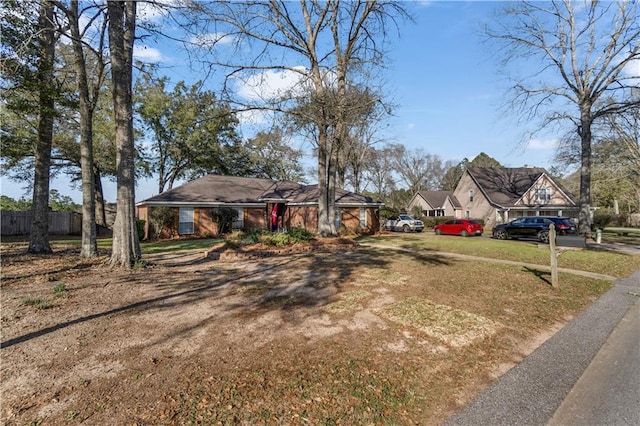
{"points": [[441, 78]]}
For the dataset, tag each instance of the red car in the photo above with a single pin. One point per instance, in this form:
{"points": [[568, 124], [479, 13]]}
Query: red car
{"points": [[463, 227]]}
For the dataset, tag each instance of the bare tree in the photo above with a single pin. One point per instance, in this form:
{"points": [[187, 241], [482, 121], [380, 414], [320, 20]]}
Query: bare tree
{"points": [[122, 25], [585, 52], [418, 170], [379, 169], [328, 45]]}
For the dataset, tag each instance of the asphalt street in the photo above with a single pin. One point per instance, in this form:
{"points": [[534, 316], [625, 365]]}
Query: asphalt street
{"points": [[608, 393], [586, 374]]}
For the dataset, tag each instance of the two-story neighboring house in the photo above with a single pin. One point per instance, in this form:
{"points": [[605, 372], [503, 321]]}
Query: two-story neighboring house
{"points": [[497, 194]]}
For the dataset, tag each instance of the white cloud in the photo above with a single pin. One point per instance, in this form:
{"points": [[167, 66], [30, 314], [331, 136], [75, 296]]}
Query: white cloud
{"points": [[633, 68], [270, 84], [538, 144], [147, 54]]}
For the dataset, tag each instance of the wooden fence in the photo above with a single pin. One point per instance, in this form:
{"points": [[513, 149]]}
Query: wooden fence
{"points": [[60, 223]]}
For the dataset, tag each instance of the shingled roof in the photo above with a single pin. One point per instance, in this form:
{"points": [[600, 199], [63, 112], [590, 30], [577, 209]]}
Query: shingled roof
{"points": [[309, 194], [217, 189], [214, 189], [505, 186], [436, 199]]}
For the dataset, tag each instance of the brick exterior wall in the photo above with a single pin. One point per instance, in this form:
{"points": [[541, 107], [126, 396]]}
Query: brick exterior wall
{"points": [[257, 218]]}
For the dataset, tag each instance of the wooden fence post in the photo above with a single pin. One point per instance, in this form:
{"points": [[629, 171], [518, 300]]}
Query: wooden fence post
{"points": [[554, 256]]}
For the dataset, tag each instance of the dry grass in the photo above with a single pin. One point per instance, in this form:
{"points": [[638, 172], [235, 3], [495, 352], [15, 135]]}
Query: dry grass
{"points": [[371, 337], [452, 327]]}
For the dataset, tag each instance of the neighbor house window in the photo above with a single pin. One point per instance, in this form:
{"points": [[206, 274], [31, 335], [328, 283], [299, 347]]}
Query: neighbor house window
{"points": [[543, 194], [363, 217], [185, 220], [467, 214], [471, 196]]}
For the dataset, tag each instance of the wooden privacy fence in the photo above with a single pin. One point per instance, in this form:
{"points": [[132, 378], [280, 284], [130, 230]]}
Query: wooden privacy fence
{"points": [[60, 223]]}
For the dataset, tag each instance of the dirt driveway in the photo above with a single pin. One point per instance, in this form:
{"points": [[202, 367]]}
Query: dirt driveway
{"points": [[331, 337]]}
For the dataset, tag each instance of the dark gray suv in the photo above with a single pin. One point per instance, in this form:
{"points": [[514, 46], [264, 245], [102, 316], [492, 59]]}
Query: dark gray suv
{"points": [[533, 227]]}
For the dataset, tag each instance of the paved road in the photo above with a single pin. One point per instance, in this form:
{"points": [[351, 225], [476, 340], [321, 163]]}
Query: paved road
{"points": [[553, 383], [608, 393]]}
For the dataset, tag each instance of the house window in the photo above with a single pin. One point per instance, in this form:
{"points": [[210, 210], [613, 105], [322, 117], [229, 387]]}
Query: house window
{"points": [[238, 218], [338, 218], [363, 217], [471, 196], [467, 214], [185, 225], [543, 194]]}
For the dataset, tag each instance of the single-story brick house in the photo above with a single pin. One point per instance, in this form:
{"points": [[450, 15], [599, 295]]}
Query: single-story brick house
{"points": [[259, 203], [499, 194], [435, 203]]}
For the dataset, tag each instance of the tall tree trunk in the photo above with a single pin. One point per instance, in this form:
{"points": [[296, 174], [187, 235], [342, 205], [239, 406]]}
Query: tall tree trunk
{"points": [[89, 244], [324, 218], [101, 213], [126, 246], [584, 215], [39, 237]]}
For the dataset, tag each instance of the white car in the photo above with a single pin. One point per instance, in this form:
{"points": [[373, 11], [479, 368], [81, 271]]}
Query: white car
{"points": [[404, 223]]}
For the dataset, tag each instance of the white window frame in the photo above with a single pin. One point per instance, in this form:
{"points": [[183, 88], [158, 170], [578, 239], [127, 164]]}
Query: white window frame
{"points": [[543, 193], [186, 225], [471, 194], [363, 217]]}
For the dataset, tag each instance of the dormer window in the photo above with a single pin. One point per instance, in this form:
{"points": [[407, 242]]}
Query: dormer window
{"points": [[471, 196]]}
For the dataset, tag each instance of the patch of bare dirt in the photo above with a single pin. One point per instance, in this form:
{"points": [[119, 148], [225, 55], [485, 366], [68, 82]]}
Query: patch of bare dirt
{"points": [[295, 337]]}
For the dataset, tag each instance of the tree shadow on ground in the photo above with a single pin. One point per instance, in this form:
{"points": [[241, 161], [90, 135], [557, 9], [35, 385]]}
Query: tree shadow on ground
{"points": [[318, 280], [290, 284], [542, 275]]}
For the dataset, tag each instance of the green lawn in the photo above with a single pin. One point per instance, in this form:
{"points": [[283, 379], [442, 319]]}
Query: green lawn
{"points": [[609, 263], [614, 235]]}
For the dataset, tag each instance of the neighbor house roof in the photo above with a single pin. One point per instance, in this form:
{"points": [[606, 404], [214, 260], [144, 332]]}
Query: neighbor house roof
{"points": [[217, 189], [505, 186], [437, 199]]}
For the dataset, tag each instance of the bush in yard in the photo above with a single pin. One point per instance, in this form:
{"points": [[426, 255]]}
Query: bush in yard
{"points": [[279, 239], [140, 228], [223, 217], [601, 220], [298, 234], [257, 234], [160, 218], [431, 221]]}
